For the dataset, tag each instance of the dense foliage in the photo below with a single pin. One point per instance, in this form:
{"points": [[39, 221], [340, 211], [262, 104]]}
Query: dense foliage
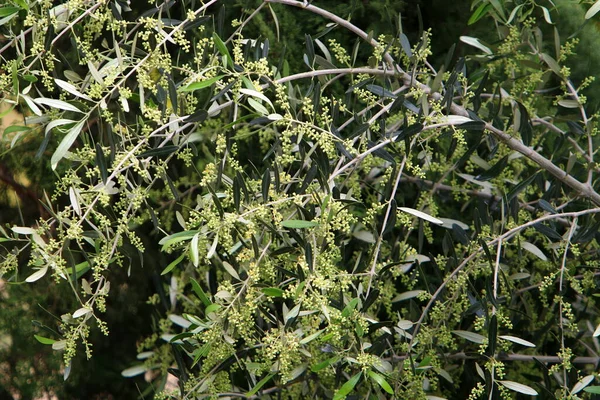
{"points": [[355, 216]]}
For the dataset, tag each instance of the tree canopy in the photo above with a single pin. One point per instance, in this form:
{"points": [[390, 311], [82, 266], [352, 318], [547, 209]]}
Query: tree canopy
{"points": [[292, 199]]}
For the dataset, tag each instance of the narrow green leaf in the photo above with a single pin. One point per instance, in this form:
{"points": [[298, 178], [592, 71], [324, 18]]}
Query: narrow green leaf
{"points": [[260, 384], [347, 387], [201, 85], [479, 13], [494, 171], [380, 91], [37, 275], [380, 380], [551, 62], [66, 143], [350, 307], [222, 49], [533, 249], [324, 364], [158, 152], [177, 237], [312, 337], [44, 340], [298, 224], [266, 183], [101, 162], [273, 292], [198, 116], [592, 389], [16, 128], [173, 264], [200, 293]]}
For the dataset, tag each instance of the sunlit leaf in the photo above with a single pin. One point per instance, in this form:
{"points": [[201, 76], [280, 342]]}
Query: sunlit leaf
{"points": [[533, 249], [518, 387], [593, 10], [39, 274], [66, 143], [471, 41], [470, 336], [582, 384], [407, 295], [53, 103], [134, 371], [517, 340], [422, 215]]}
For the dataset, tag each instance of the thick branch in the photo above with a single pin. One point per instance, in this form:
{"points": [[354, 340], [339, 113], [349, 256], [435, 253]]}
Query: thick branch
{"points": [[516, 357]]}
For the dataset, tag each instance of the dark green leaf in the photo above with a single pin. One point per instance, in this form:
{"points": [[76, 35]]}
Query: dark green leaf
{"points": [[196, 22], [547, 231], [198, 116], [391, 220], [380, 91], [381, 152], [408, 132], [492, 335], [524, 125], [324, 364], [222, 49], [6, 11], [323, 63], [494, 171], [521, 186], [200, 293], [160, 151], [260, 384], [310, 49], [266, 184], [172, 92], [544, 205], [405, 45], [350, 307], [101, 162], [472, 126]]}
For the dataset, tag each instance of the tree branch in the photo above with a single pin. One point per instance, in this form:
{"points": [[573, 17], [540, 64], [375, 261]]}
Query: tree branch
{"points": [[582, 189]]}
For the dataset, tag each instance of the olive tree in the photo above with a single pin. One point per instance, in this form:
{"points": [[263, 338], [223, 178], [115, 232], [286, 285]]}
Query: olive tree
{"points": [[368, 224]]}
